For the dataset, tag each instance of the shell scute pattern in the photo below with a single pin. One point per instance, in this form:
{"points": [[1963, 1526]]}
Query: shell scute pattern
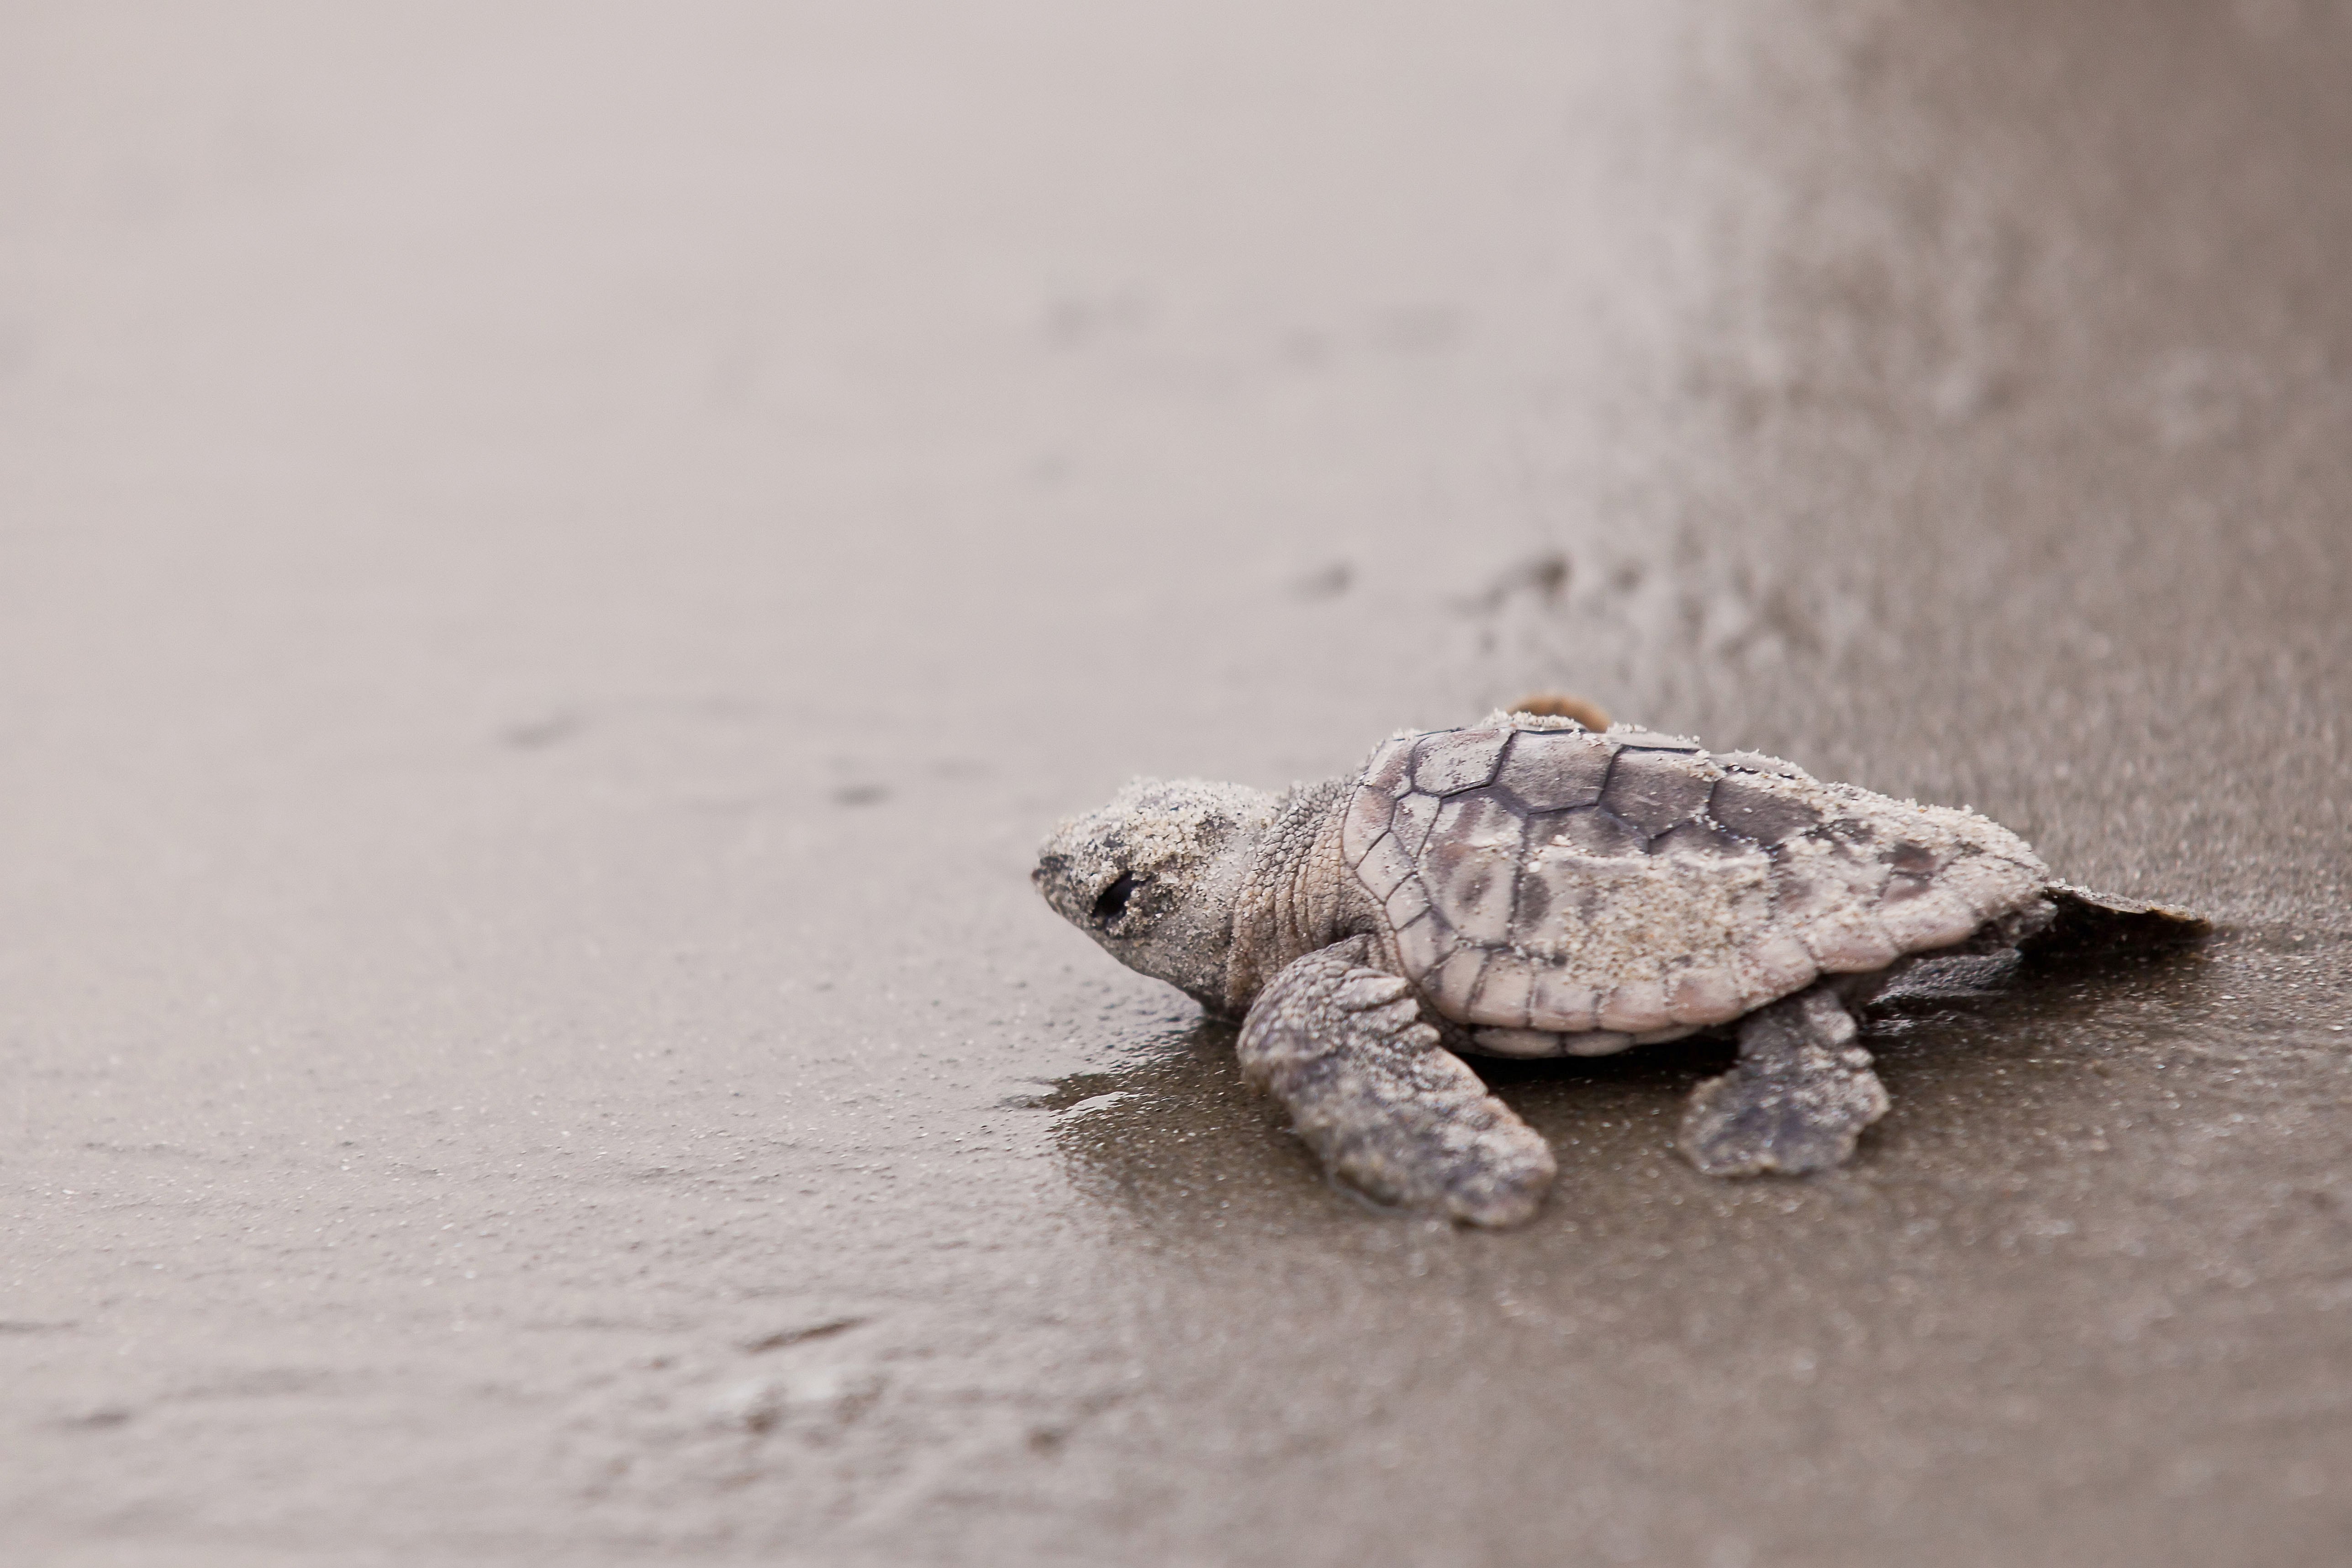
{"points": [[1407, 902], [1385, 867], [1597, 832], [1932, 919], [1471, 865], [1422, 942], [1655, 790], [1459, 975], [1565, 1001], [1702, 996], [1554, 770], [1759, 811], [1416, 815], [1505, 992], [1567, 892], [1390, 770], [1456, 759], [1701, 839], [1637, 1005]]}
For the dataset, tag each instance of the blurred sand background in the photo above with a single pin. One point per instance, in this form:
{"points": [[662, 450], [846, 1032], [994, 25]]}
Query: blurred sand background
{"points": [[556, 561]]}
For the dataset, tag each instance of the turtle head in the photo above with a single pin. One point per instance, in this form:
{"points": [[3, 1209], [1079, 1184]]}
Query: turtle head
{"points": [[1154, 875]]}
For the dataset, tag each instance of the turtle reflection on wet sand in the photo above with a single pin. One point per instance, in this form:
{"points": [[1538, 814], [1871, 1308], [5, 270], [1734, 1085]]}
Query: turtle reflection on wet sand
{"points": [[1530, 887]]}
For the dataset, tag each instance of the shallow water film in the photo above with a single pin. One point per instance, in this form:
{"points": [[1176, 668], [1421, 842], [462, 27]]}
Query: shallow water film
{"points": [[556, 563]]}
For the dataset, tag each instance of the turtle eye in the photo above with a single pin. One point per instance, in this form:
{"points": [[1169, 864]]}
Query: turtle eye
{"points": [[1111, 902]]}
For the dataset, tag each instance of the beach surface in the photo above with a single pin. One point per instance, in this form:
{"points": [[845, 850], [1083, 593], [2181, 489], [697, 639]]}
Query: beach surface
{"points": [[556, 563]]}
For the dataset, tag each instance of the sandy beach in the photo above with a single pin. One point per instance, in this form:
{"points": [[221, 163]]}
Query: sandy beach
{"points": [[556, 563]]}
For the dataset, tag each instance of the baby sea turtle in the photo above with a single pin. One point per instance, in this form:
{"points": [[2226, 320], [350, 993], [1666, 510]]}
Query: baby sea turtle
{"points": [[1528, 887]]}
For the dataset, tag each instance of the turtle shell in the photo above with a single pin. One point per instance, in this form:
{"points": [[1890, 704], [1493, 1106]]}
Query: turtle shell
{"points": [[1538, 879]]}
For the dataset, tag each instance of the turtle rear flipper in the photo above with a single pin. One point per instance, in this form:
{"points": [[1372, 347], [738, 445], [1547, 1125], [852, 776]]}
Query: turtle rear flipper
{"points": [[1801, 1094], [2089, 923]]}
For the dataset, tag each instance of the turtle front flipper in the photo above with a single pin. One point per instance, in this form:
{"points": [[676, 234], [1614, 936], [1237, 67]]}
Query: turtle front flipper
{"points": [[1802, 1094], [1386, 1107]]}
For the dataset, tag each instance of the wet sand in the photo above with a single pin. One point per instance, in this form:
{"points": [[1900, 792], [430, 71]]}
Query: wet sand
{"points": [[555, 563]]}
